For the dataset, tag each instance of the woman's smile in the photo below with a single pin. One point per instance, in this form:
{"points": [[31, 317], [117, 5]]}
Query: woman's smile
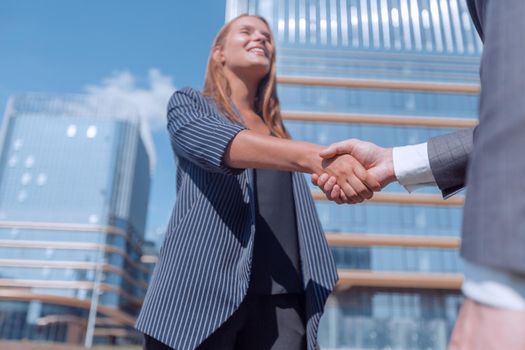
{"points": [[258, 51]]}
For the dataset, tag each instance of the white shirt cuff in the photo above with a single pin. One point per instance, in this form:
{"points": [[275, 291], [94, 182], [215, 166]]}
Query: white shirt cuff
{"points": [[493, 287], [412, 167]]}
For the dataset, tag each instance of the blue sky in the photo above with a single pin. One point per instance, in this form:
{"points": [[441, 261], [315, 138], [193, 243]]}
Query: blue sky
{"points": [[67, 46]]}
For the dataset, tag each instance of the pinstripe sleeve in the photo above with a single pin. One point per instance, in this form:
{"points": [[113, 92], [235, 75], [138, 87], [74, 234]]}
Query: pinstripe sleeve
{"points": [[198, 134]]}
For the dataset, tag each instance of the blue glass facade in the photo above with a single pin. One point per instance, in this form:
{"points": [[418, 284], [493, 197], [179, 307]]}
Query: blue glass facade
{"points": [[74, 188], [392, 294]]}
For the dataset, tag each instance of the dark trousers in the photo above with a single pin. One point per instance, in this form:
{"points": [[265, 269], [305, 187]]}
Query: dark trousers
{"points": [[262, 322]]}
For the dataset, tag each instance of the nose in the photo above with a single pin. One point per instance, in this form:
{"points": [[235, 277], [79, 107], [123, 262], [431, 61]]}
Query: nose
{"points": [[258, 36]]}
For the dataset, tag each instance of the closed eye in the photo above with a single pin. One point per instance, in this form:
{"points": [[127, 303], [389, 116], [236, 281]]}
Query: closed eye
{"points": [[246, 30]]}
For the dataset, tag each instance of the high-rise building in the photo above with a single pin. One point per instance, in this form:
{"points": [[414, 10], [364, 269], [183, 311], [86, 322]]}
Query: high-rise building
{"points": [[393, 72], [74, 188]]}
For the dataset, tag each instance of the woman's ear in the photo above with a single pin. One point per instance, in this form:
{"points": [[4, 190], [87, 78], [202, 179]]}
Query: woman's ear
{"points": [[218, 56]]}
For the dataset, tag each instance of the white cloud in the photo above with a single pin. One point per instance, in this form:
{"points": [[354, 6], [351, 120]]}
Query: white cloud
{"points": [[121, 96], [118, 96]]}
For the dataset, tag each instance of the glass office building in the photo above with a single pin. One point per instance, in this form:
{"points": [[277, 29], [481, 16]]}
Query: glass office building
{"points": [[74, 188], [393, 72]]}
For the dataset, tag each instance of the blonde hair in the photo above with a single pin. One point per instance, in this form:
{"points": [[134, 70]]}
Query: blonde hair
{"points": [[217, 87]]}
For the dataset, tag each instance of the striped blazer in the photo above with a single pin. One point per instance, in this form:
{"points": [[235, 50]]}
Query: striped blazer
{"points": [[204, 264]]}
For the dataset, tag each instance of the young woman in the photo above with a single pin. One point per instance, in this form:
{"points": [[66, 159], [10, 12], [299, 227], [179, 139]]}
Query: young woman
{"points": [[245, 264]]}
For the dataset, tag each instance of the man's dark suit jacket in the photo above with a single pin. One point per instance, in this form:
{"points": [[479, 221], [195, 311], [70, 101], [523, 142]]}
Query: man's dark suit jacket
{"points": [[491, 158]]}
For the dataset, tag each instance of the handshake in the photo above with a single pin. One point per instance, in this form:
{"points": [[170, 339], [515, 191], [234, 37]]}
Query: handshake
{"points": [[353, 170]]}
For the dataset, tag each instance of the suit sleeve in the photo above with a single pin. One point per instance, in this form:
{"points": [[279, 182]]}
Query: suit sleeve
{"points": [[448, 156], [198, 134]]}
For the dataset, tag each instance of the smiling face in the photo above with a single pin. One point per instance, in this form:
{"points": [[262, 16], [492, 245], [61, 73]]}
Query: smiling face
{"points": [[244, 50], [248, 48]]}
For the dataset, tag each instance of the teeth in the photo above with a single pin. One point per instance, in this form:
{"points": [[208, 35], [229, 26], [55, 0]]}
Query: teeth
{"points": [[257, 49]]}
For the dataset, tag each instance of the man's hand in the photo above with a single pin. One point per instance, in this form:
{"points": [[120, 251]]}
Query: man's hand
{"points": [[352, 183], [376, 160]]}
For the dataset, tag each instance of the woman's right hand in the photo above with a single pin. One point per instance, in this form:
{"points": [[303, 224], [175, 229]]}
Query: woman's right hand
{"points": [[345, 180], [250, 149]]}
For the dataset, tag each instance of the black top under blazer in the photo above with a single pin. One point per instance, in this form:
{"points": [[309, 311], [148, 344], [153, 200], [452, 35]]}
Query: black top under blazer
{"points": [[276, 264], [204, 265]]}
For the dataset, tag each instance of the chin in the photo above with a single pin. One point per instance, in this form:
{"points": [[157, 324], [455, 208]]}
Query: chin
{"points": [[258, 69], [255, 70]]}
